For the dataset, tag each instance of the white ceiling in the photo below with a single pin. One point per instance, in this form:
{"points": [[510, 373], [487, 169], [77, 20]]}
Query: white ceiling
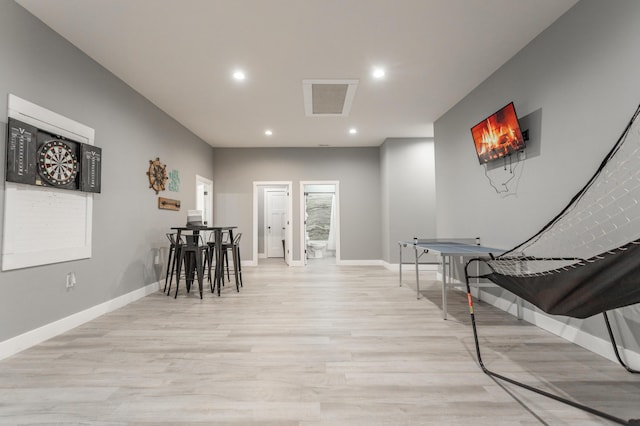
{"points": [[180, 54]]}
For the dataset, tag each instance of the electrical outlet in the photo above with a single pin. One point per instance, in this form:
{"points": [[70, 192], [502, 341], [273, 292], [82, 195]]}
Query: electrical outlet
{"points": [[71, 279]]}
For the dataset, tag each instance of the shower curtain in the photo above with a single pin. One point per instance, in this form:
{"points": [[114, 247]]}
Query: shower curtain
{"points": [[331, 240]]}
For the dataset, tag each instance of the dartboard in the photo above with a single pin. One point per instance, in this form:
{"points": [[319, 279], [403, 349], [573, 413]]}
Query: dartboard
{"points": [[57, 163]]}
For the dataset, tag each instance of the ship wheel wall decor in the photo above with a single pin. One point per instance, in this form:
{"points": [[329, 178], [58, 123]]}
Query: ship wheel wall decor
{"points": [[157, 174]]}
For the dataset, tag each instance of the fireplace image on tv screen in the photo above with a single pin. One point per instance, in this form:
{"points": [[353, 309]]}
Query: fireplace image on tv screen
{"points": [[498, 135]]}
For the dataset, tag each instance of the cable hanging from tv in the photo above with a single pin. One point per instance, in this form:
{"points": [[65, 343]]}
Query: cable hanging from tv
{"points": [[503, 187]]}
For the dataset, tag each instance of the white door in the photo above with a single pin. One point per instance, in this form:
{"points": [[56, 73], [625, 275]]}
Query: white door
{"points": [[276, 222]]}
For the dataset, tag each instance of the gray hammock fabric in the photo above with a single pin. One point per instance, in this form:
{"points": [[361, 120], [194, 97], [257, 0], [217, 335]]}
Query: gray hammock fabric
{"points": [[586, 260]]}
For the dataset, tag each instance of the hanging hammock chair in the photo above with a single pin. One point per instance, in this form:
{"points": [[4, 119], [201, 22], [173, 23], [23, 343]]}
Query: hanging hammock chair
{"points": [[586, 260]]}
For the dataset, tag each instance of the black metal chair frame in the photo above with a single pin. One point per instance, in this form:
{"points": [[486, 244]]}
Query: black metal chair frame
{"points": [[531, 388], [170, 260], [193, 255], [234, 247]]}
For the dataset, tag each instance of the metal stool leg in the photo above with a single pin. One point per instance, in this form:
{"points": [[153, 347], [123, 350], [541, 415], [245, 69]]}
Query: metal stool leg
{"points": [[172, 249]]}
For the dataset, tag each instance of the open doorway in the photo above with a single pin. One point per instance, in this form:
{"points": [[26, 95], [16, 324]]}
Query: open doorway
{"points": [[272, 212], [320, 222], [204, 201]]}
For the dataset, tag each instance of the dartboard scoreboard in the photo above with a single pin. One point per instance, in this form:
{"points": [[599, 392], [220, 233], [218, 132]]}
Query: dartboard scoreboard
{"points": [[37, 157]]}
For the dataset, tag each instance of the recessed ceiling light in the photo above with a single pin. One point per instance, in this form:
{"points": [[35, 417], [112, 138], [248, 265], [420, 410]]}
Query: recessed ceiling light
{"points": [[268, 132], [239, 75], [378, 72], [353, 131]]}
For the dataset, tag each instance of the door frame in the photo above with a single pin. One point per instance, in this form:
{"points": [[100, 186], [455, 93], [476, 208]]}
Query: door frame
{"points": [[288, 234], [336, 184]]}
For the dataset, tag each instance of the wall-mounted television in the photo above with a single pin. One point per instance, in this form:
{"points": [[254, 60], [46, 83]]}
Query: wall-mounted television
{"points": [[498, 135]]}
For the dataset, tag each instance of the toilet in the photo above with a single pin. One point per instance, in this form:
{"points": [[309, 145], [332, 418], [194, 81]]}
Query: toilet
{"points": [[315, 249]]}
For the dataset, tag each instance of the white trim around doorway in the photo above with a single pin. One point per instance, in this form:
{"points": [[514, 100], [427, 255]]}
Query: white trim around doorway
{"points": [[288, 231], [336, 185]]}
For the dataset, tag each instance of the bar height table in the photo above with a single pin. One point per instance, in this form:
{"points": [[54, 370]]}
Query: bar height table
{"points": [[217, 237]]}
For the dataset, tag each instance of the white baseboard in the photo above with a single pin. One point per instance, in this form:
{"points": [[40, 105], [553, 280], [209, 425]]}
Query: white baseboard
{"points": [[31, 338], [346, 263], [371, 262], [568, 332], [411, 267], [300, 263]]}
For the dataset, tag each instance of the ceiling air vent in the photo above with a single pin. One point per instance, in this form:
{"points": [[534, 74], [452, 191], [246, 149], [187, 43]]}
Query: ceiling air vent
{"points": [[325, 98]]}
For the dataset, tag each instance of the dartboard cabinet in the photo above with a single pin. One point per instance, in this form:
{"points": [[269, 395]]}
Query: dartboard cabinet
{"points": [[38, 157]]}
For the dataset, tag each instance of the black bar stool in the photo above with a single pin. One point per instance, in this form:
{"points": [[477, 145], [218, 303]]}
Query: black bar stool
{"points": [[193, 255], [209, 262], [234, 247], [172, 258]]}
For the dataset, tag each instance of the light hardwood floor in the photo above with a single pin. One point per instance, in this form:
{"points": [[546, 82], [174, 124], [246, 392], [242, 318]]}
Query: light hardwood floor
{"points": [[322, 345]]}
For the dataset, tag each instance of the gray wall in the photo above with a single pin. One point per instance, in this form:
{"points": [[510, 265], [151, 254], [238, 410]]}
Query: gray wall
{"points": [[357, 169], [408, 193], [577, 84], [41, 67]]}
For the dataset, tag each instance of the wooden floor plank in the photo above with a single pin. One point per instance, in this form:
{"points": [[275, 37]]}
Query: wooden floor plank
{"points": [[321, 345]]}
